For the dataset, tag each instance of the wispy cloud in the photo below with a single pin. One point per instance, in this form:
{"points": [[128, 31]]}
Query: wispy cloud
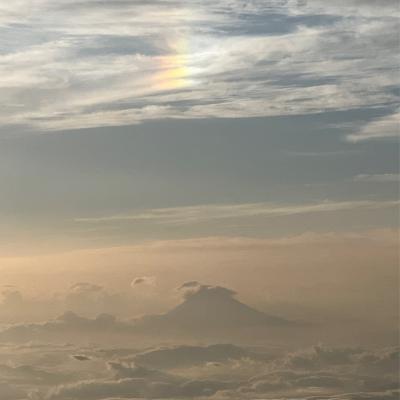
{"points": [[385, 127], [202, 213], [77, 64], [377, 178]]}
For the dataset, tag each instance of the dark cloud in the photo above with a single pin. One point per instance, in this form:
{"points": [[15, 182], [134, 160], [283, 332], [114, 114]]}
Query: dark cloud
{"points": [[80, 357]]}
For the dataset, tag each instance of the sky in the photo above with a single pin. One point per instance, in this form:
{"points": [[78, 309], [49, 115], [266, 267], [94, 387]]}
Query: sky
{"points": [[160, 158], [128, 123]]}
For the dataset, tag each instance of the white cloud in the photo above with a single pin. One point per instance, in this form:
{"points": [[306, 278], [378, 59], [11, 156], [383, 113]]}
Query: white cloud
{"points": [[78, 64], [385, 127], [144, 280], [377, 178], [201, 213]]}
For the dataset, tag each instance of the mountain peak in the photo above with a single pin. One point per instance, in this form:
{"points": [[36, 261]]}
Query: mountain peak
{"points": [[208, 308]]}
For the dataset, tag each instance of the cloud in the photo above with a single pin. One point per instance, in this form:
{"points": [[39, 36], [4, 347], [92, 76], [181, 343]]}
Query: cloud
{"points": [[67, 325], [33, 375], [377, 178], [193, 288], [84, 298], [336, 373], [210, 311], [80, 357], [319, 357], [143, 280], [10, 392], [367, 8], [11, 298], [131, 380], [385, 127], [379, 361], [81, 64], [209, 212], [189, 356], [150, 384], [217, 372], [189, 284], [16, 306], [90, 299], [85, 287]]}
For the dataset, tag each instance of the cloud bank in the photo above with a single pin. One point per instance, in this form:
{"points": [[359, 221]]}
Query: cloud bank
{"points": [[222, 372]]}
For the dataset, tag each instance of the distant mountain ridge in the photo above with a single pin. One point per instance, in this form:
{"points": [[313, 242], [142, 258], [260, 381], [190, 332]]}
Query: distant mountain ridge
{"points": [[206, 312]]}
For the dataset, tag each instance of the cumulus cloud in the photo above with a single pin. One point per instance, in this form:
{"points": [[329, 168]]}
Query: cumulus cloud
{"points": [[193, 288]]}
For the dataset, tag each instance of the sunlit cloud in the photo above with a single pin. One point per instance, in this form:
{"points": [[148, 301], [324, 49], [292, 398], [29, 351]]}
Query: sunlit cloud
{"points": [[121, 65], [175, 71]]}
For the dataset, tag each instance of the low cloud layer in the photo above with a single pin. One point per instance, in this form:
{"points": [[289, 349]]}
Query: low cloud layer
{"points": [[192, 372]]}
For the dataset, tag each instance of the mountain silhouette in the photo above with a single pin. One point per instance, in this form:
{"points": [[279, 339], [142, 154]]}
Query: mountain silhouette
{"points": [[206, 311], [209, 308]]}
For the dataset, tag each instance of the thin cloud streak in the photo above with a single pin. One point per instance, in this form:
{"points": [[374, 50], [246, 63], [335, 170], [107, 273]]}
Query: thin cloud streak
{"points": [[377, 178], [209, 212], [382, 128]]}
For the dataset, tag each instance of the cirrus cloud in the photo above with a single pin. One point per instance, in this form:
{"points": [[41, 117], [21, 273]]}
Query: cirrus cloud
{"points": [[82, 64]]}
